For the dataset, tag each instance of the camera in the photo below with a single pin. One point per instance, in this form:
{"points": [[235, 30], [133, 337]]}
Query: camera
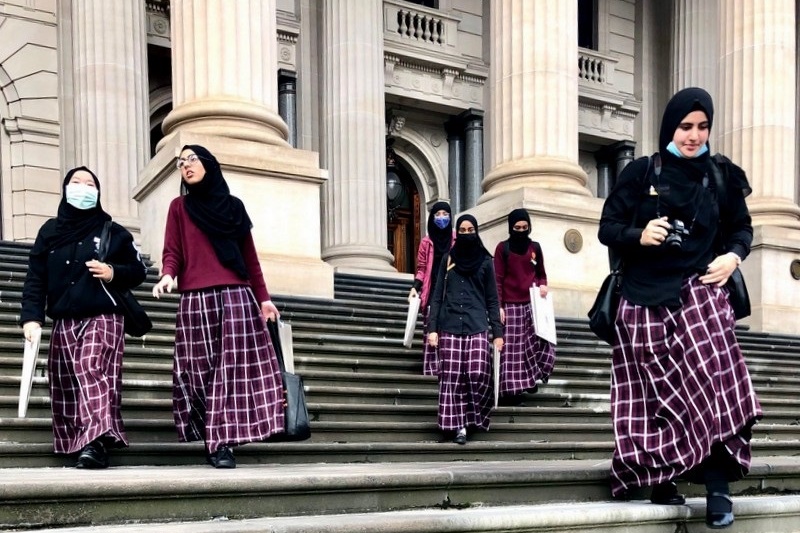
{"points": [[675, 234]]}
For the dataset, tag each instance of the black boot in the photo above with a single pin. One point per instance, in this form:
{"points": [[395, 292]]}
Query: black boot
{"points": [[666, 494], [93, 456]]}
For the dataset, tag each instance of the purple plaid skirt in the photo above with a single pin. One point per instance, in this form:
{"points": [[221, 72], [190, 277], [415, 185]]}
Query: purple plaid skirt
{"points": [[85, 369], [430, 355], [525, 358], [679, 385], [466, 395], [227, 386]]}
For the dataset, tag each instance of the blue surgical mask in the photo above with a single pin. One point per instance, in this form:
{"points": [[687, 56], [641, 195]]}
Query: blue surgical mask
{"points": [[441, 222], [81, 196], [671, 148]]}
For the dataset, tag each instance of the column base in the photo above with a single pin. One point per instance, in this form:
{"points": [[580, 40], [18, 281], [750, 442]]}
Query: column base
{"points": [[771, 211], [280, 188], [359, 258], [551, 173]]}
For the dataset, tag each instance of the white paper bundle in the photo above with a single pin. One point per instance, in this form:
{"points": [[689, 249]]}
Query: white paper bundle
{"points": [[285, 336], [496, 374], [544, 318], [29, 356], [411, 321]]}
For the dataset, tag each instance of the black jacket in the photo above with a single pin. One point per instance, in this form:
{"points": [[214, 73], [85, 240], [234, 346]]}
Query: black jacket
{"points": [[59, 282], [465, 305]]}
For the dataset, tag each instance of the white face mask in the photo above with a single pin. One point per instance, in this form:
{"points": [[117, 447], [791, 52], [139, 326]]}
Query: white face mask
{"points": [[81, 196]]}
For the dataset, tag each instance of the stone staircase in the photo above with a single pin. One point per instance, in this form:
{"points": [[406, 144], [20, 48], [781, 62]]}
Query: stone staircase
{"points": [[375, 454]]}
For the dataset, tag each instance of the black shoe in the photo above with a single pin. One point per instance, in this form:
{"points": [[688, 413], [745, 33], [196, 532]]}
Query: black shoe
{"points": [[93, 456], [224, 458], [719, 510], [667, 494], [533, 390]]}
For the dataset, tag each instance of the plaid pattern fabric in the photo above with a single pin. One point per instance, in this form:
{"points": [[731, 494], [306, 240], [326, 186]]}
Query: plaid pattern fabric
{"points": [[679, 385], [525, 358], [227, 383], [466, 395], [430, 355], [85, 370]]}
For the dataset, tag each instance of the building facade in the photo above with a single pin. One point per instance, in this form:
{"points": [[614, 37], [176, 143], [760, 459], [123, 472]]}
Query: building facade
{"points": [[339, 122]]}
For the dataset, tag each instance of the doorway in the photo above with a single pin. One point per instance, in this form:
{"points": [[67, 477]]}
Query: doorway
{"points": [[403, 205]]}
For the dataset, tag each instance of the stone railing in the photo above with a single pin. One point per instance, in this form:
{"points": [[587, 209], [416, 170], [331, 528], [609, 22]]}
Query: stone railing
{"points": [[419, 26], [595, 68]]}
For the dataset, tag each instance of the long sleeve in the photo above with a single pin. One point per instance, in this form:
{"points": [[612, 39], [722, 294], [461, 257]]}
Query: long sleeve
{"points": [[541, 273], [254, 269], [172, 256], [615, 229], [130, 269], [438, 296], [34, 291], [492, 301], [499, 270]]}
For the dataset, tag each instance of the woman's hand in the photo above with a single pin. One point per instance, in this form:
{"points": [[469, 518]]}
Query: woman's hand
{"points": [[502, 316], [720, 269], [166, 283], [543, 291], [28, 328], [269, 311], [498, 343], [412, 294], [655, 232], [433, 339], [103, 271]]}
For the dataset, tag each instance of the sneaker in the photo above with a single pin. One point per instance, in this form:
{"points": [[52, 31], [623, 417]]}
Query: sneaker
{"points": [[224, 458], [93, 456]]}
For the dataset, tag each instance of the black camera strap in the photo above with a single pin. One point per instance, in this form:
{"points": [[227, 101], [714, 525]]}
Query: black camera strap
{"points": [[657, 172]]}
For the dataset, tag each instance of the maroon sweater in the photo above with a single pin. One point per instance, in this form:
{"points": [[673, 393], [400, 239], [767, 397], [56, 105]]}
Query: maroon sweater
{"points": [[189, 256], [516, 273]]}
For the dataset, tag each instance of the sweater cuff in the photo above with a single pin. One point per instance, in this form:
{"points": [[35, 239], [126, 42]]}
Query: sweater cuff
{"points": [[417, 285]]}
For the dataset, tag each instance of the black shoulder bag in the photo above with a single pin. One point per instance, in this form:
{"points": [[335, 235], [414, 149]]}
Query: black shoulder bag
{"points": [[137, 323], [296, 424]]}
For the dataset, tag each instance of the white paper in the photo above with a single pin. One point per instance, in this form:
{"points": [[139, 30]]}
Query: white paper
{"points": [[29, 357], [496, 374], [285, 336], [411, 321], [544, 318]]}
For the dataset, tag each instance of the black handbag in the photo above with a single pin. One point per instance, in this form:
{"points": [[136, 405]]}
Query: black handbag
{"points": [[137, 323], [738, 296], [296, 424], [603, 314]]}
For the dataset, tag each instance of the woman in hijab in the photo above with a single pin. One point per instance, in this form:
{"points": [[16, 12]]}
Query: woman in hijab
{"points": [[227, 383], [431, 250], [463, 307], [682, 401], [518, 265], [66, 281]]}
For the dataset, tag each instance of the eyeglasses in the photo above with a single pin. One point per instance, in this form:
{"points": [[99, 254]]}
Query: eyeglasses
{"points": [[190, 159]]}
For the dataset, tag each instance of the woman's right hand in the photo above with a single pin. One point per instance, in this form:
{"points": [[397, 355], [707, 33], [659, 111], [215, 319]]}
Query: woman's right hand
{"points": [[433, 339], [412, 294], [502, 316], [655, 232], [28, 328], [165, 283]]}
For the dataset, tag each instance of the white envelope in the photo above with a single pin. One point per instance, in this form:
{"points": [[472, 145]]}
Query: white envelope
{"points": [[544, 318], [29, 356], [496, 374], [287, 346], [411, 321]]}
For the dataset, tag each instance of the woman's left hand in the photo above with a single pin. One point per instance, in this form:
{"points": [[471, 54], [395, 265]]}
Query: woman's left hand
{"points": [[103, 271], [543, 291], [269, 311], [720, 269], [498, 343]]}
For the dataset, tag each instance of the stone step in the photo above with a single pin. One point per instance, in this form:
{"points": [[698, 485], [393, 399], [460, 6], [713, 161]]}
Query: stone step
{"points": [[148, 494]]}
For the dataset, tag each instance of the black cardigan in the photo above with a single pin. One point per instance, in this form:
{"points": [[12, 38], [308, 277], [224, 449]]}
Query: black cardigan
{"points": [[652, 275], [60, 282]]}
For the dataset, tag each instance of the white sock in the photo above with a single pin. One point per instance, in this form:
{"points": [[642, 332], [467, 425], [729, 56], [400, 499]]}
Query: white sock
{"points": [[462, 431]]}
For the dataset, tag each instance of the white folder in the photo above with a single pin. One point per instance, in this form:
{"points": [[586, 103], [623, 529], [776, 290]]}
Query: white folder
{"points": [[411, 321], [544, 318], [287, 346], [29, 356], [496, 374]]}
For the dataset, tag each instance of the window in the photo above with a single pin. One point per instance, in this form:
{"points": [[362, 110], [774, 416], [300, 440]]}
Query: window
{"points": [[433, 4], [587, 24]]}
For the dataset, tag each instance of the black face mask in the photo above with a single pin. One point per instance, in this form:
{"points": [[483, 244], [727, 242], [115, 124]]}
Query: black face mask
{"points": [[518, 241]]}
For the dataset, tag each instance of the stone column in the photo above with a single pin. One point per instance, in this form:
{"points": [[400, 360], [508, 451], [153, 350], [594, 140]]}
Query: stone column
{"points": [[473, 156], [757, 110], [353, 126], [455, 164], [533, 87], [695, 44], [623, 154], [109, 101], [224, 70], [605, 178], [287, 102]]}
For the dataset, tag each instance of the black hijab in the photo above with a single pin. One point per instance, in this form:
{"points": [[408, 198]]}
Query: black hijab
{"points": [[442, 238], [468, 252], [518, 241], [218, 214], [71, 224]]}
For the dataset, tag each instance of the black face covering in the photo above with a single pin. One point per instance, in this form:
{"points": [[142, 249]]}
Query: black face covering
{"points": [[218, 214], [72, 224], [468, 253], [518, 241]]}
